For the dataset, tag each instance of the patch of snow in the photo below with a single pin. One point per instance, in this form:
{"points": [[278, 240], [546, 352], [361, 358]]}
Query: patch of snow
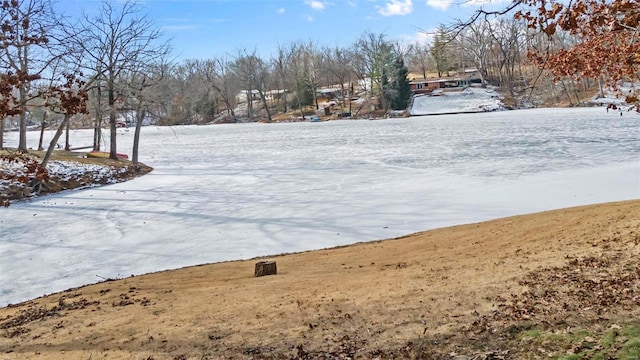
{"points": [[465, 101], [61, 170], [65, 170], [616, 97]]}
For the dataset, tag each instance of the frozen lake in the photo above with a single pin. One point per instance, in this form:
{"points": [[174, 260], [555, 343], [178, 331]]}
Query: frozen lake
{"points": [[237, 191]]}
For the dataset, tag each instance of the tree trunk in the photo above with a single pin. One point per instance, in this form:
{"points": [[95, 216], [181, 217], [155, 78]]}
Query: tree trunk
{"points": [[112, 125], [140, 115], [314, 89], [566, 91], [2, 133], [44, 121], [67, 146], [575, 92], [350, 104], [266, 106], [600, 90], [22, 143], [97, 136], [97, 130], [298, 94], [54, 141], [250, 104]]}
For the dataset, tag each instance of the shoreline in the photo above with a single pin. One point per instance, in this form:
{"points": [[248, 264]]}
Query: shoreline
{"points": [[369, 298]]}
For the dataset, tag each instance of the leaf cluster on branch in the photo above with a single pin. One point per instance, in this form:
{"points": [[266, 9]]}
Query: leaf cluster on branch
{"points": [[69, 97], [607, 31]]}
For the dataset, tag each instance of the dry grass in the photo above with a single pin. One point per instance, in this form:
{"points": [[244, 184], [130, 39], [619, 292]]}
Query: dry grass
{"points": [[394, 298]]}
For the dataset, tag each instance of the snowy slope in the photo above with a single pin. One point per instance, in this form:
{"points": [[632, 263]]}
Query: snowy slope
{"points": [[468, 100], [228, 192]]}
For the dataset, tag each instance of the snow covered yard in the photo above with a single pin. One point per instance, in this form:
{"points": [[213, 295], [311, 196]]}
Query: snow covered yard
{"points": [[237, 191], [465, 101]]}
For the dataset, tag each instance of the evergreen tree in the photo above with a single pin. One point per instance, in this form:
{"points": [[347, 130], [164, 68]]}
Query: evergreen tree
{"points": [[388, 92], [400, 85]]}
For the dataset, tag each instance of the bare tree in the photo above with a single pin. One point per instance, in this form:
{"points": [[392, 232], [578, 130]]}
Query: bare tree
{"points": [[339, 65], [304, 62], [207, 106], [114, 42], [194, 93], [419, 59], [281, 65], [55, 70], [312, 63], [253, 74], [141, 83], [227, 85], [475, 41], [373, 57], [97, 101], [184, 87], [508, 36], [26, 47], [297, 69], [68, 98]]}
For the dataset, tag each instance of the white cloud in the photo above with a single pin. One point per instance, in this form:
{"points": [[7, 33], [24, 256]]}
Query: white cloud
{"points": [[397, 7], [482, 2], [316, 5], [419, 37], [309, 18], [281, 11], [440, 4]]}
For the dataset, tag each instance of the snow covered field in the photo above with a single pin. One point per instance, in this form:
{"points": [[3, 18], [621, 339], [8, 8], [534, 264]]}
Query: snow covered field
{"points": [[468, 100], [237, 191]]}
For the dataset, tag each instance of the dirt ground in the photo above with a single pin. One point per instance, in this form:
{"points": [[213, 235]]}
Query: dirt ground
{"points": [[477, 291]]}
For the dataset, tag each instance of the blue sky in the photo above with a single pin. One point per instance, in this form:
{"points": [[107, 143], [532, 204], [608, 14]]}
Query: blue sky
{"points": [[209, 28]]}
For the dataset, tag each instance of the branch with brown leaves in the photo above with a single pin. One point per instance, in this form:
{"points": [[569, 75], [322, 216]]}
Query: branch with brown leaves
{"points": [[608, 39]]}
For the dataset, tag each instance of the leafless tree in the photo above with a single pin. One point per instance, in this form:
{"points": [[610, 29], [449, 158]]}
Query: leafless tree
{"points": [[339, 65], [68, 98], [312, 62], [246, 67], [304, 61], [281, 63], [227, 85], [373, 55], [195, 88], [419, 59], [297, 65], [184, 86], [27, 49], [475, 41], [253, 74], [509, 39], [142, 83], [114, 42]]}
